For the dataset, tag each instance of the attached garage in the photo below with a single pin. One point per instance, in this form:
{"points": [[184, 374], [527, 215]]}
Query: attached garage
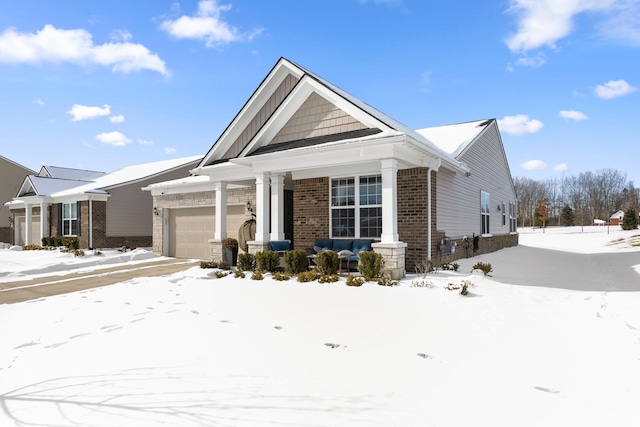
{"points": [[190, 229], [20, 230]]}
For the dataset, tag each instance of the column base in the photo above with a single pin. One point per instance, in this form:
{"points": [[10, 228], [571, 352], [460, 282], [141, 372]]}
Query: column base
{"points": [[394, 258], [256, 246]]}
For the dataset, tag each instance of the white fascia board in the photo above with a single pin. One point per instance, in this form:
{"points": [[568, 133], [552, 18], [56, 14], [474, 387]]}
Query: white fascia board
{"points": [[294, 101], [442, 160]]}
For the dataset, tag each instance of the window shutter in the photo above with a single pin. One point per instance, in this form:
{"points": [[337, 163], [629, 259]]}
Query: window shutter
{"points": [[59, 205], [79, 218]]}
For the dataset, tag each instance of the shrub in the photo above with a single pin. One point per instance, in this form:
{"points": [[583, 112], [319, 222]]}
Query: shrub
{"points": [[307, 276], [451, 266], [421, 284], [45, 241], [224, 265], [296, 261], [328, 278], [257, 275], [370, 265], [424, 267], [208, 264], [355, 280], [57, 241], [327, 262], [239, 274], [221, 274], [465, 289], [485, 267], [267, 261], [230, 243], [78, 252], [246, 262], [280, 276], [386, 280]]}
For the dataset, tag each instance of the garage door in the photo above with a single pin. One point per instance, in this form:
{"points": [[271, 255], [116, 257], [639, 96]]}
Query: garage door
{"points": [[190, 230], [20, 230]]}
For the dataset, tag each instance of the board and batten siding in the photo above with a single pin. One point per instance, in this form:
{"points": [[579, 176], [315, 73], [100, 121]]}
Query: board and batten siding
{"points": [[458, 196]]}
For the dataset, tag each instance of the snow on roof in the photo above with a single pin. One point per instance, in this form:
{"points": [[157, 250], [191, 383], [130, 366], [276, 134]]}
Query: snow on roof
{"points": [[69, 173], [44, 186], [453, 139], [128, 175]]}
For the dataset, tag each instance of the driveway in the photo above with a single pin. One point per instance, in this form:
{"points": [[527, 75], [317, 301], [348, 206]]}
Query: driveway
{"points": [[523, 265], [26, 290]]}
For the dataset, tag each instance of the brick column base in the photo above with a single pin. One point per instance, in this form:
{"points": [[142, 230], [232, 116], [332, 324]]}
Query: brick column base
{"points": [[394, 257]]}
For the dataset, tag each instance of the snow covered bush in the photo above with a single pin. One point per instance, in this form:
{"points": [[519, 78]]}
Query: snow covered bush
{"points": [[355, 280], [246, 262], [295, 261], [485, 267], [370, 265]]}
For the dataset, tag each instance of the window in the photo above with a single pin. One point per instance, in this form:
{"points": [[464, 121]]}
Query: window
{"points": [[485, 211], [512, 217], [356, 210], [504, 214], [69, 219]]}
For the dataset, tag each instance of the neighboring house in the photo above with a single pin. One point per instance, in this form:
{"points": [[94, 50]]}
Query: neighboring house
{"points": [[104, 210], [616, 218], [11, 176], [315, 162]]}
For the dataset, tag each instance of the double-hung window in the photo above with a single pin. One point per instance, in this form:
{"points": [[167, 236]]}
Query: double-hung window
{"points": [[485, 204], [356, 206], [512, 217], [69, 219]]}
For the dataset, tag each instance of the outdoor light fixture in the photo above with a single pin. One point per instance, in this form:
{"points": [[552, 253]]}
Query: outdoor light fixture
{"points": [[155, 211], [249, 207]]}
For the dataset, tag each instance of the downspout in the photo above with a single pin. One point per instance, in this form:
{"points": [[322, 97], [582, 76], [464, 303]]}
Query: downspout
{"points": [[91, 222], [429, 206]]}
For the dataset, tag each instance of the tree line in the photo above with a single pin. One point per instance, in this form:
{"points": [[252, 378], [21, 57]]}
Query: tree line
{"points": [[589, 196]]}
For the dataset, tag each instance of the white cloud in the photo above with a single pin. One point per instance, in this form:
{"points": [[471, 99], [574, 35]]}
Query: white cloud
{"points": [[544, 22], [533, 165], [145, 142], [519, 124], [614, 89], [117, 119], [562, 167], [169, 150], [38, 102], [573, 115], [76, 46], [532, 61], [121, 35], [115, 139], [83, 112], [207, 25]]}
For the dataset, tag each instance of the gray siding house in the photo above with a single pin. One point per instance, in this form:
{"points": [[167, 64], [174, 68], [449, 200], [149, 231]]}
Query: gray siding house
{"points": [[103, 210], [11, 176], [312, 161]]}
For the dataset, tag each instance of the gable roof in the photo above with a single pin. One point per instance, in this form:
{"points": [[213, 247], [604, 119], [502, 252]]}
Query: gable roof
{"points": [[52, 186], [454, 139], [278, 98], [69, 173], [26, 169]]}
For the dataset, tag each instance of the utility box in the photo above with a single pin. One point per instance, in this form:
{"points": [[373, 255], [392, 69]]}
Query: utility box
{"points": [[447, 246]]}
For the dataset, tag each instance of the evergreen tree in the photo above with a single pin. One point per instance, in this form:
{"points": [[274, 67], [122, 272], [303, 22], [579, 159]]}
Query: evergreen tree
{"points": [[567, 217], [630, 220]]}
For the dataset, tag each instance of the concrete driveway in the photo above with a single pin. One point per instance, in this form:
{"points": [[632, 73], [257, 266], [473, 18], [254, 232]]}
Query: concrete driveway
{"points": [[606, 272], [26, 290]]}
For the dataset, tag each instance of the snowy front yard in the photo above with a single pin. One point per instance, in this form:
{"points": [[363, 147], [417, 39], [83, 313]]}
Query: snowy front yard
{"points": [[191, 350]]}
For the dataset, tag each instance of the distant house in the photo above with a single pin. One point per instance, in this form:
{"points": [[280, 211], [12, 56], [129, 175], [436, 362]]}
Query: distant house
{"points": [[616, 218], [11, 176], [103, 210], [312, 161]]}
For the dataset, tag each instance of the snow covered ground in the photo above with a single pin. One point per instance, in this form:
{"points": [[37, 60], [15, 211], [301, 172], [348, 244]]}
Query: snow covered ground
{"points": [[193, 350]]}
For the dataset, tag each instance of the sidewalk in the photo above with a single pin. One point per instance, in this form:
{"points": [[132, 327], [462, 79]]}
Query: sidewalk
{"points": [[26, 290]]}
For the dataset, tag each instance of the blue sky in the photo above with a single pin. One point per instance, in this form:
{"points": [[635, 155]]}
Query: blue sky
{"points": [[103, 85]]}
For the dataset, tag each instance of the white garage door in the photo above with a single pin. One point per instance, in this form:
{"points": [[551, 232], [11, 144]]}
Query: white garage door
{"points": [[20, 231], [191, 229]]}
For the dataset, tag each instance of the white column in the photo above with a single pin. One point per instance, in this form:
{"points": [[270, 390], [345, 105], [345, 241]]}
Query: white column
{"points": [[221, 211], [389, 171], [44, 220], [28, 224], [429, 218], [277, 207], [262, 207]]}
